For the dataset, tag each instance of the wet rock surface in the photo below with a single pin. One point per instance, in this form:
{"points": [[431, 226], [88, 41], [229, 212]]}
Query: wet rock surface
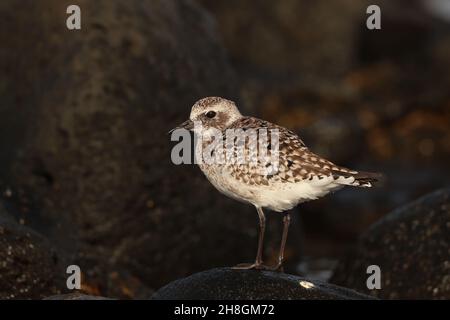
{"points": [[29, 265], [412, 248], [229, 284]]}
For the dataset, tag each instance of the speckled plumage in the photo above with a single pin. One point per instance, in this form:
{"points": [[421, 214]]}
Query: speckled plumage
{"points": [[285, 174], [300, 175], [297, 162]]}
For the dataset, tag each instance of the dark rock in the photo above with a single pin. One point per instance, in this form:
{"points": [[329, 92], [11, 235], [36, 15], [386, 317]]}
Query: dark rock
{"points": [[301, 38], [411, 247], [29, 265], [83, 129], [76, 296], [229, 284]]}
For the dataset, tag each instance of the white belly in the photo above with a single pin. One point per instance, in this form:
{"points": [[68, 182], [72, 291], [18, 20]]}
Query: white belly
{"points": [[278, 196]]}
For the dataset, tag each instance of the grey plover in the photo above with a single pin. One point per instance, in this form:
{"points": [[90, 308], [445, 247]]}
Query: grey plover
{"points": [[300, 175]]}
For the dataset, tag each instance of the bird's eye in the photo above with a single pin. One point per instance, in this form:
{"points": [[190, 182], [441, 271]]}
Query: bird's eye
{"points": [[210, 114]]}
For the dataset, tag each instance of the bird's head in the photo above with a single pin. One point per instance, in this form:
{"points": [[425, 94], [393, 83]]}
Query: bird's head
{"points": [[212, 113]]}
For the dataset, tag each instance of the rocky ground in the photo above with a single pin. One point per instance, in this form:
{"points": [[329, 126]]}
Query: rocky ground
{"points": [[29, 265], [411, 245], [229, 284], [85, 171]]}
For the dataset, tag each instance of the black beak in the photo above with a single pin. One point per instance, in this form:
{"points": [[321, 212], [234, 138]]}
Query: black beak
{"points": [[188, 125]]}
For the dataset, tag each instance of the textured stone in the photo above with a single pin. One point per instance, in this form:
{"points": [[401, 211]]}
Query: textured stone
{"points": [[29, 265], [412, 248], [229, 284]]}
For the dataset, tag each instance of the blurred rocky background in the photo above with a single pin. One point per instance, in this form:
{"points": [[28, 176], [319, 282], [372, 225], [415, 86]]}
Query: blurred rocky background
{"points": [[85, 170], [376, 100]]}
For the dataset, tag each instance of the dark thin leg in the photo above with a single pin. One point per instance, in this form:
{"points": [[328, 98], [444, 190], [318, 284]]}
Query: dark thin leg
{"points": [[258, 261], [262, 229], [286, 222]]}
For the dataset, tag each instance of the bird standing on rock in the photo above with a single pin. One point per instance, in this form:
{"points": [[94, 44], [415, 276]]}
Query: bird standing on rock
{"points": [[286, 175]]}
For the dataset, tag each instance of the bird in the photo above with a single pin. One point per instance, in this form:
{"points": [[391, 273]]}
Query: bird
{"points": [[298, 176]]}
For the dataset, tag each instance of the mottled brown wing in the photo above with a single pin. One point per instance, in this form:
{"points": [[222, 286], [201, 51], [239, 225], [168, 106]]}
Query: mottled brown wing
{"points": [[305, 165], [296, 162], [259, 170]]}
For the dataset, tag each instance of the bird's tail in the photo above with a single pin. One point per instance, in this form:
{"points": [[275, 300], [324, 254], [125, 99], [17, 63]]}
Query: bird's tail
{"points": [[367, 179], [356, 178]]}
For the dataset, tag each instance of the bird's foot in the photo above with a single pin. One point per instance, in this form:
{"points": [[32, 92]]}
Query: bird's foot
{"points": [[278, 268], [250, 266]]}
